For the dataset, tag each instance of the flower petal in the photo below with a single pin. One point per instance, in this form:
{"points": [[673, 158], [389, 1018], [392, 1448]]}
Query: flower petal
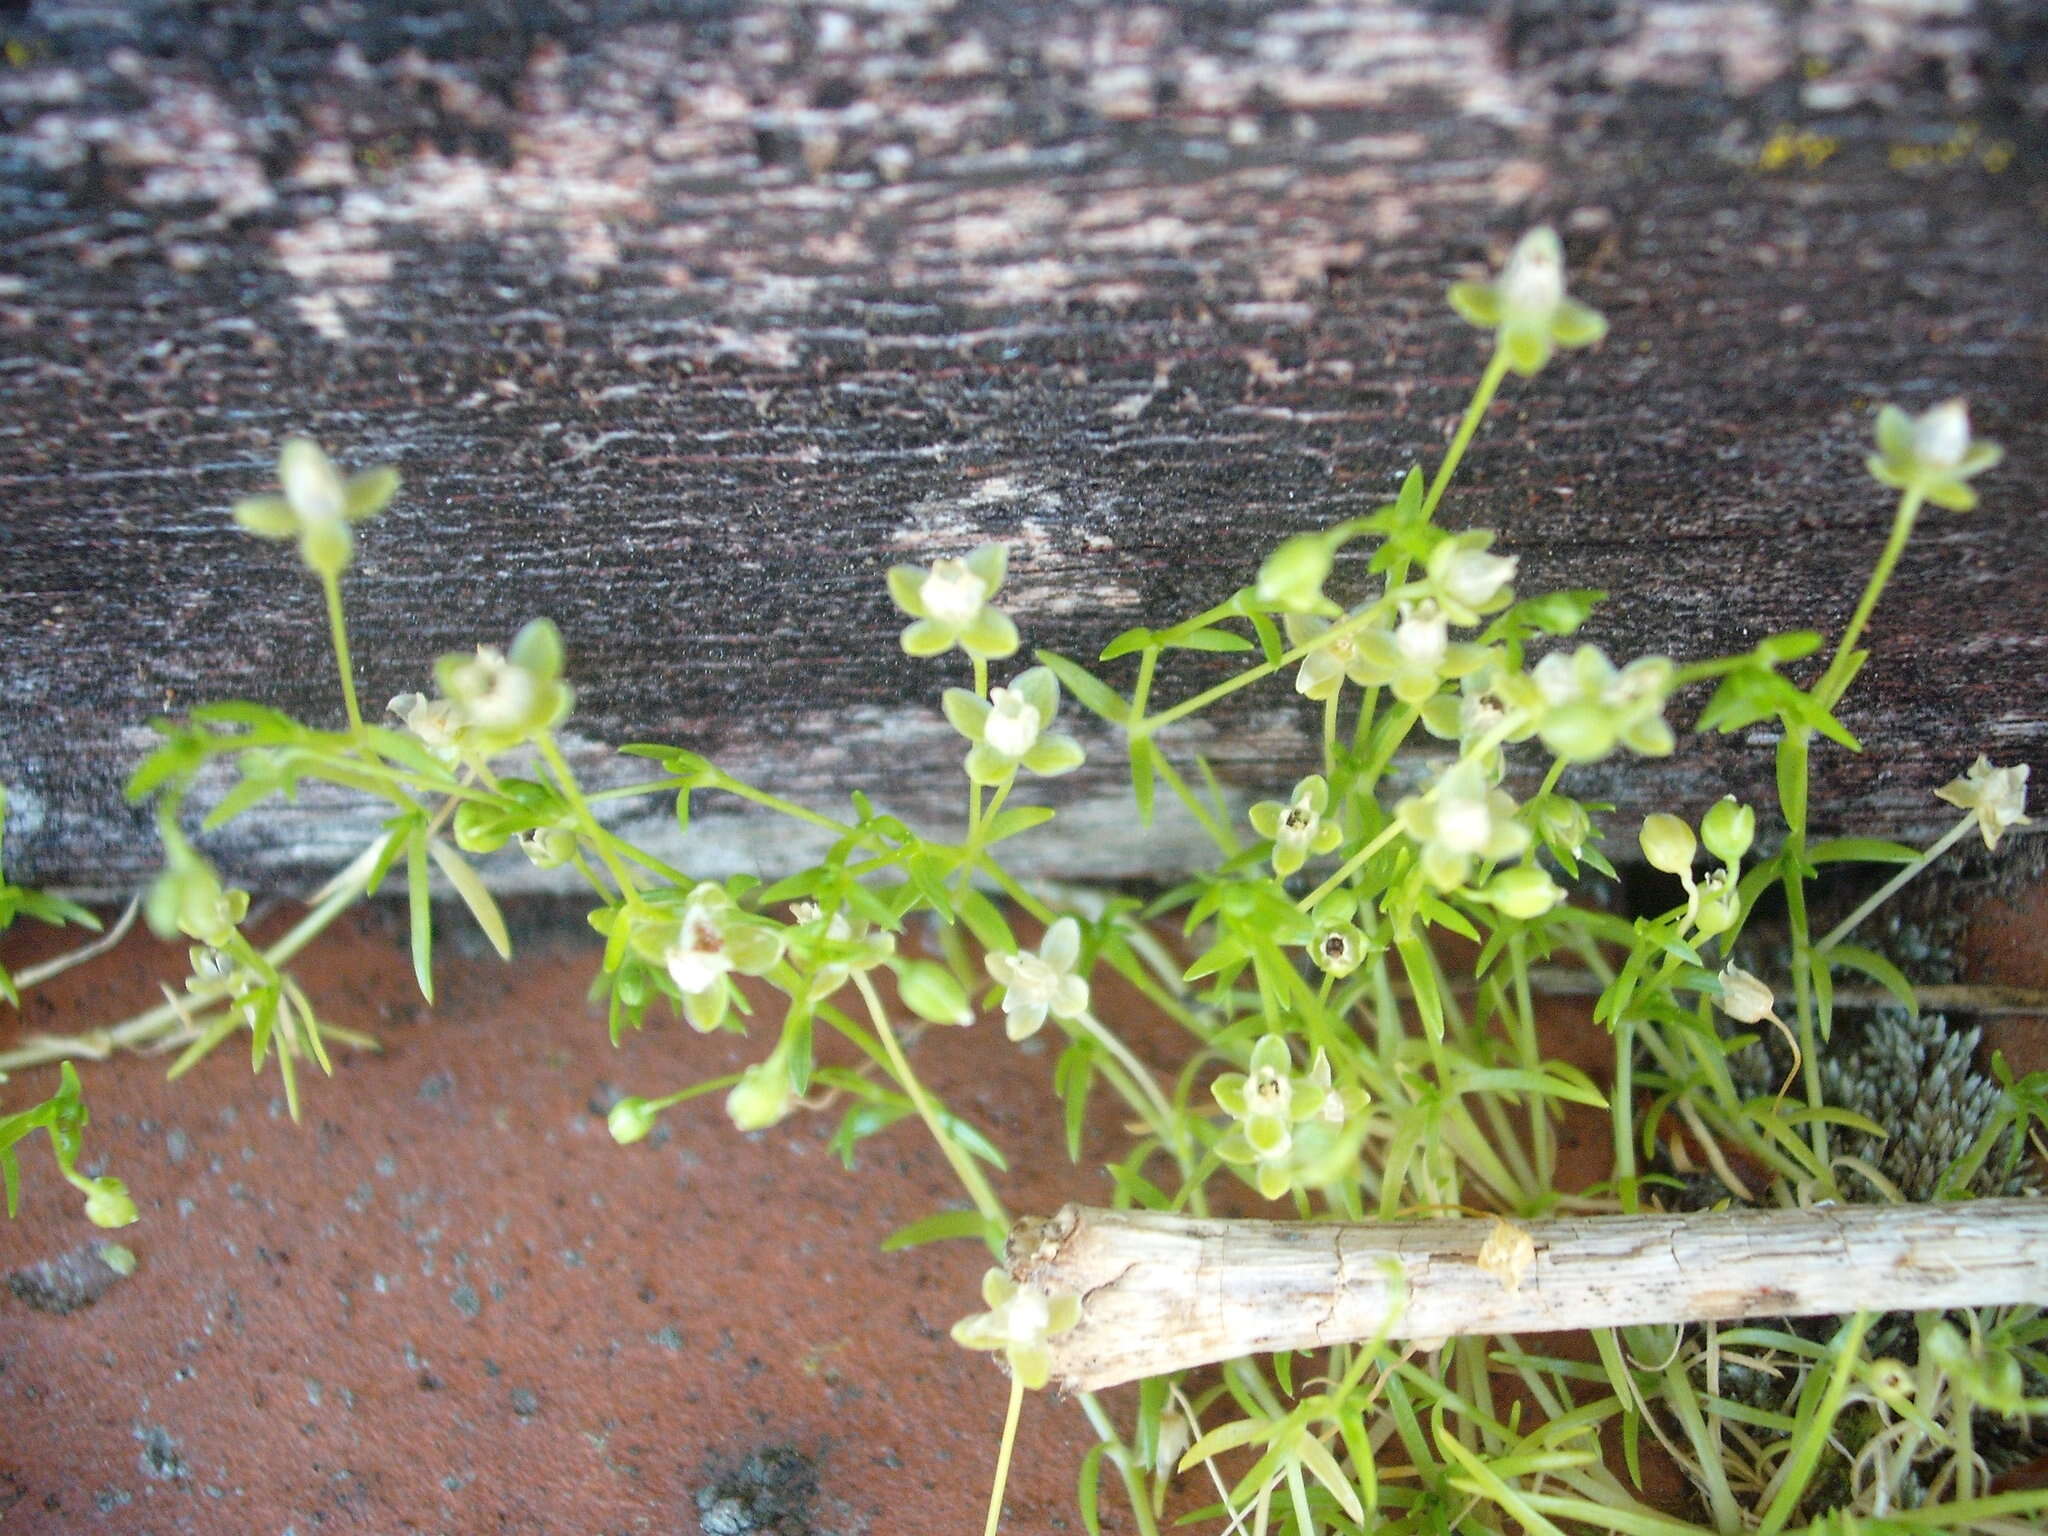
{"points": [[706, 1009], [985, 765], [1070, 998], [367, 494], [1271, 1054], [752, 947], [967, 711], [268, 517], [990, 635], [1054, 755], [989, 562], [1041, 690], [1026, 1020], [927, 637], [1477, 302], [981, 1331], [1576, 324], [1031, 1364], [1062, 946], [1228, 1091]]}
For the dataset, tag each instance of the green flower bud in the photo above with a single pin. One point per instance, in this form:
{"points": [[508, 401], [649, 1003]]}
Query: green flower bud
{"points": [[933, 993], [1526, 891], [1668, 844], [107, 1203], [762, 1097], [1293, 575], [1561, 821], [1716, 905], [1728, 830], [548, 847], [118, 1258], [631, 1119]]}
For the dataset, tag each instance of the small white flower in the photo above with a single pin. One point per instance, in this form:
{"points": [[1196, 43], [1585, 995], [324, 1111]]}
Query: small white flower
{"points": [[1013, 725], [1466, 581], [1423, 636], [1019, 1321], [437, 723], [1941, 436], [1997, 797], [1475, 578], [697, 960], [1041, 984], [714, 939], [1532, 282], [953, 594], [496, 694]]}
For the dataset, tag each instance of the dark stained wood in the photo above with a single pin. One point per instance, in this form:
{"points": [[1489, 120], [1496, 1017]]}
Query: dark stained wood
{"points": [[685, 321]]}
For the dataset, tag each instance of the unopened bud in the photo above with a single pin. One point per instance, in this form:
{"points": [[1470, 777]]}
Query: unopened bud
{"points": [[1525, 891], [631, 1119], [1668, 843], [107, 1203], [1728, 830], [933, 993], [762, 1097]]}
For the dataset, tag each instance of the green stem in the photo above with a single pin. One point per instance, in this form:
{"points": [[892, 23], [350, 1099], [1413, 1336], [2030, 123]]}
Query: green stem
{"points": [[337, 629], [1119, 1454], [573, 793], [964, 1168], [1220, 834], [1891, 887], [1351, 624], [1828, 691], [337, 896], [1482, 397], [789, 808], [995, 1497], [1815, 1426], [1150, 1102]]}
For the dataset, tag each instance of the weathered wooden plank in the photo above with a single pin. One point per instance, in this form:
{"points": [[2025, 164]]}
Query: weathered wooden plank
{"points": [[1165, 1293], [686, 320]]}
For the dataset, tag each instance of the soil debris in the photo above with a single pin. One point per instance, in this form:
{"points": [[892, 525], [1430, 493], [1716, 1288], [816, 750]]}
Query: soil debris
{"points": [[768, 1494], [66, 1283]]}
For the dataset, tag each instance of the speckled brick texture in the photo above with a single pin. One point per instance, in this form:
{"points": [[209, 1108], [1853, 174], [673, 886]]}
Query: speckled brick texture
{"points": [[447, 1302]]}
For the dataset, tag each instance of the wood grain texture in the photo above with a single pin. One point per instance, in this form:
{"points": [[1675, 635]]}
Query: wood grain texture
{"points": [[685, 320], [1164, 1293]]}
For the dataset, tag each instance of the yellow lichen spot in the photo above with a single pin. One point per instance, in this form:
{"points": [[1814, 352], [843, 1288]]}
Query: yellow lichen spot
{"points": [[1997, 155], [1788, 147]]}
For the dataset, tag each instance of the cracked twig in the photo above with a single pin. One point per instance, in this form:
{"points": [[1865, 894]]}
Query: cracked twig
{"points": [[1164, 1293]]}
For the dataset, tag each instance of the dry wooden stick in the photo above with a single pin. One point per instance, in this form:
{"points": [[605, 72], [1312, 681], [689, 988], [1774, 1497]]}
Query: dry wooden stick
{"points": [[1162, 1293]]}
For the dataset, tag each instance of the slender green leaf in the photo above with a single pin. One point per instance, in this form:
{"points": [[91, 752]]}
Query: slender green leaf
{"points": [[1085, 686], [422, 911], [937, 1228], [470, 887]]}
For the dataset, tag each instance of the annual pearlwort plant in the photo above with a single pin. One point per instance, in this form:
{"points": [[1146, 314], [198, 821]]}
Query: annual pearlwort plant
{"points": [[1358, 1019]]}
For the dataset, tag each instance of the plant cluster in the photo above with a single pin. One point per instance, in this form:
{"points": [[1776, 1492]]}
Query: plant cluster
{"points": [[1359, 1016]]}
